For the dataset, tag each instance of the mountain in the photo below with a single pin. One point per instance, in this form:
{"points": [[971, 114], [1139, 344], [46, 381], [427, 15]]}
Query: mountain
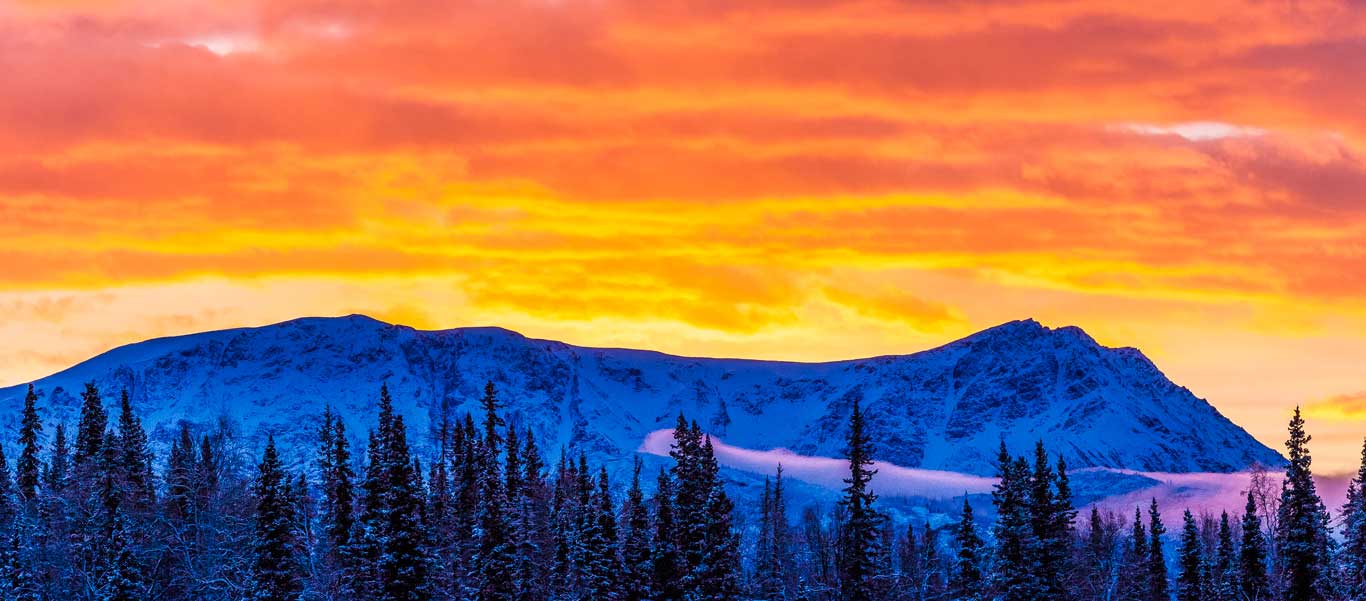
{"points": [[948, 408]]}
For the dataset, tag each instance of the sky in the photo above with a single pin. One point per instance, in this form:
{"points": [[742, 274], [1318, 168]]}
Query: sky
{"points": [[801, 180]]}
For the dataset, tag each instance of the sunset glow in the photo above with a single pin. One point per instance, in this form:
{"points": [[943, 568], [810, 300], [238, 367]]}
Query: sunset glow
{"points": [[793, 180]]}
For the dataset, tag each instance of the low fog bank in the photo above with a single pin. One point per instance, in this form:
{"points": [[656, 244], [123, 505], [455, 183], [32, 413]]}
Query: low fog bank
{"points": [[1202, 493]]}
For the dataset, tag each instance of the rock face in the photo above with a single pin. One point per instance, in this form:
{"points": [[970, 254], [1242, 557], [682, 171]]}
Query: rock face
{"points": [[947, 408]]}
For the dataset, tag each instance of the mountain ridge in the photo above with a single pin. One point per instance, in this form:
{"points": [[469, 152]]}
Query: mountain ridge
{"points": [[942, 408]]}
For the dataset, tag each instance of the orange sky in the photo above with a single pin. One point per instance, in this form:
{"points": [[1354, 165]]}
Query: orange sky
{"points": [[801, 180]]}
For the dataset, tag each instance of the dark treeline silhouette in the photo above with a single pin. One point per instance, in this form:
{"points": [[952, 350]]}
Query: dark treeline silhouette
{"points": [[485, 518]]}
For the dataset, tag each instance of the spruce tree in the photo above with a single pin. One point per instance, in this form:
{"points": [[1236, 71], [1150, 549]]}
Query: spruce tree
{"points": [[1190, 581], [17, 581], [30, 430], [763, 553], [1051, 516], [180, 467], [1224, 576], [496, 579], [54, 477], [636, 551], [1134, 575], [134, 462], [121, 575], [566, 522], [390, 557], [275, 568], [690, 500], [1158, 584], [933, 580], [719, 573], [1302, 523], [780, 537], [1252, 576], [666, 566], [337, 501], [604, 561], [860, 543], [1097, 557], [206, 472], [909, 560], [966, 580], [1017, 547], [8, 510], [1352, 556], [535, 545], [90, 432]]}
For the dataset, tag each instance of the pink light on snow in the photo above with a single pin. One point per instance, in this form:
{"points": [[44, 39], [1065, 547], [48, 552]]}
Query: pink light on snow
{"points": [[829, 472]]}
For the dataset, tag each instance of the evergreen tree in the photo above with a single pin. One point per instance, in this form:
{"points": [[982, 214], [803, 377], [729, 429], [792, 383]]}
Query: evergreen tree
{"points": [[690, 500], [1252, 576], [535, 545], [667, 569], [966, 580], [90, 432], [1190, 582], [54, 478], [1051, 516], [16, 574], [909, 562], [336, 504], [1135, 577], [860, 545], [30, 429], [781, 539], [496, 579], [492, 421], [1352, 556], [604, 563], [1302, 523], [206, 472], [8, 511], [566, 520], [134, 461], [718, 575], [763, 546], [1224, 576], [180, 468], [390, 558], [275, 568], [1016, 567], [1158, 584], [1097, 558], [122, 578], [636, 551]]}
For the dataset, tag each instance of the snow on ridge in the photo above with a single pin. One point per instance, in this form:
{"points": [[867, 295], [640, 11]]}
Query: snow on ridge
{"points": [[947, 408]]}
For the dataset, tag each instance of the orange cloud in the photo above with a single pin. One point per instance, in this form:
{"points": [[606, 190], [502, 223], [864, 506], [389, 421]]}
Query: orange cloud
{"points": [[1350, 406], [794, 180]]}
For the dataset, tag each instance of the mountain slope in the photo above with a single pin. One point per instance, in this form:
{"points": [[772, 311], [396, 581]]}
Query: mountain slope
{"points": [[946, 408]]}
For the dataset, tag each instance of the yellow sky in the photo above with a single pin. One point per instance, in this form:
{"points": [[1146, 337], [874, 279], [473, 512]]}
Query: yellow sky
{"points": [[815, 180]]}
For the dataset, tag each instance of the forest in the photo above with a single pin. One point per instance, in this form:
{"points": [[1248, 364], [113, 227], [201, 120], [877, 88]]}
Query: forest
{"points": [[488, 517]]}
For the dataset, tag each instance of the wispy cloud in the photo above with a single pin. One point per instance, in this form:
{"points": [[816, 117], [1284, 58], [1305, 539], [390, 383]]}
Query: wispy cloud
{"points": [[1350, 406]]}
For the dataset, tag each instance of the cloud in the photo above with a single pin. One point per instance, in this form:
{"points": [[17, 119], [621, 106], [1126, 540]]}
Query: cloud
{"points": [[1350, 406], [640, 165]]}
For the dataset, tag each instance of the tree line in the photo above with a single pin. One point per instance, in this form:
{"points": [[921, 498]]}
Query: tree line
{"points": [[487, 519]]}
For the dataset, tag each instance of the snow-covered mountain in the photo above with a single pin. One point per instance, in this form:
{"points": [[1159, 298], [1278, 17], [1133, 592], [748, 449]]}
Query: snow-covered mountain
{"points": [[947, 408]]}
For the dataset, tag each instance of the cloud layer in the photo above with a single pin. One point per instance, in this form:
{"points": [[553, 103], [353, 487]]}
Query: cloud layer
{"points": [[798, 180]]}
